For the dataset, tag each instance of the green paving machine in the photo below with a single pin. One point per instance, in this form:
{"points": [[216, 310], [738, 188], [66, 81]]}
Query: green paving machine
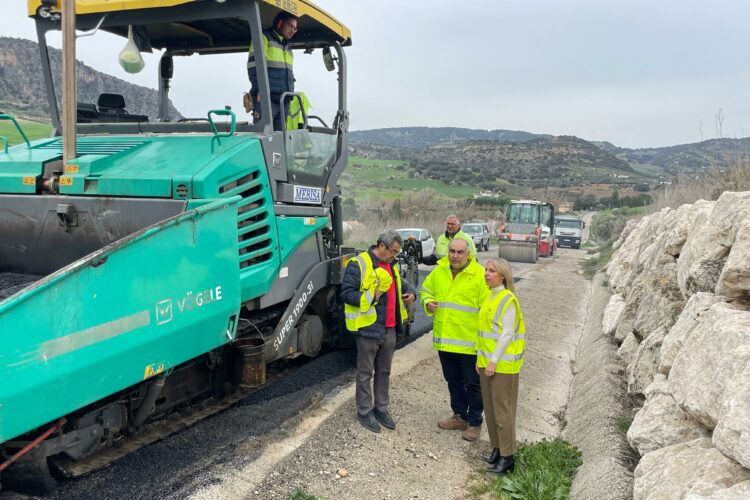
{"points": [[167, 261]]}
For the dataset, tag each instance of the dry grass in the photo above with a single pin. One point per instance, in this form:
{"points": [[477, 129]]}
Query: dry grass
{"points": [[731, 175], [420, 209]]}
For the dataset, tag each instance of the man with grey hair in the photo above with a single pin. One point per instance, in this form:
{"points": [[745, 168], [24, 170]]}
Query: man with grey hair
{"points": [[452, 232], [452, 293], [375, 301]]}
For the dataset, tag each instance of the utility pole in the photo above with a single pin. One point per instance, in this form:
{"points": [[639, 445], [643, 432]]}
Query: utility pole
{"points": [[69, 92]]}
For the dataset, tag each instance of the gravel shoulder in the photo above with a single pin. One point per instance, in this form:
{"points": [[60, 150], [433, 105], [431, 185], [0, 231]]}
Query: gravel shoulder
{"points": [[418, 460]]}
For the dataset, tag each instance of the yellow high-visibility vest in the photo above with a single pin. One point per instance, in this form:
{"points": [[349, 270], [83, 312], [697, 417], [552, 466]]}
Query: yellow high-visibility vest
{"points": [[457, 318], [491, 327], [441, 246], [357, 317]]}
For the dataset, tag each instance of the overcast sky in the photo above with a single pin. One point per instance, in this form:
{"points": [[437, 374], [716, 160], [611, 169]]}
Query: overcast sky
{"points": [[638, 73]]}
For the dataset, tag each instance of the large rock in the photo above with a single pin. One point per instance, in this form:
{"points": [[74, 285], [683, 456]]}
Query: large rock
{"points": [[612, 314], [624, 265], [707, 246], [683, 224], [691, 468], [732, 432], [662, 423], [697, 305], [629, 312], [628, 349], [702, 258], [644, 364], [661, 301], [734, 281], [740, 491], [715, 353]]}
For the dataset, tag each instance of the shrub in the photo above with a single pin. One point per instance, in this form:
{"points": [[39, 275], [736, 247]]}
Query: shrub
{"points": [[544, 471]]}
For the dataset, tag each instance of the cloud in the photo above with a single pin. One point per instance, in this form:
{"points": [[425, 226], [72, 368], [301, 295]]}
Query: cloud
{"points": [[637, 73]]}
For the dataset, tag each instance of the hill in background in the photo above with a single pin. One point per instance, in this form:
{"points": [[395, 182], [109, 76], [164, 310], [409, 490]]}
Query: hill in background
{"points": [[556, 161], [697, 157], [22, 89], [422, 137]]}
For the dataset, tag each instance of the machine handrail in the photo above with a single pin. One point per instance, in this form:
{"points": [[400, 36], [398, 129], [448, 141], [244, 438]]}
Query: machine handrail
{"points": [[4, 116], [217, 135]]}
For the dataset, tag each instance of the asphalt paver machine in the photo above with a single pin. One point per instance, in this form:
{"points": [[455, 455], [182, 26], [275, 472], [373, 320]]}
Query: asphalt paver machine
{"points": [[142, 274]]}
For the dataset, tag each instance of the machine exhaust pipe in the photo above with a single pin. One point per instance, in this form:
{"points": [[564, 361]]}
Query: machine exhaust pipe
{"points": [[338, 221]]}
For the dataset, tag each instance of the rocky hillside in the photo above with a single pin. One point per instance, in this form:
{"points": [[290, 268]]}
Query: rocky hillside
{"points": [[680, 311], [555, 161], [422, 137], [22, 87], [687, 158]]}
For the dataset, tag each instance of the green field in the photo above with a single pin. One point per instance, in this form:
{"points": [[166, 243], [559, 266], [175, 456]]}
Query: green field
{"points": [[366, 179], [648, 169], [33, 130]]}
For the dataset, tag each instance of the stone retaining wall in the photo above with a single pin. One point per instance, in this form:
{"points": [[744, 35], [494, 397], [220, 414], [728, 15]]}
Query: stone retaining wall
{"points": [[680, 313]]}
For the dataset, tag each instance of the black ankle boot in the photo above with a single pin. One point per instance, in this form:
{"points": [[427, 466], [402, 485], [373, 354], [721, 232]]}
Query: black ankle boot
{"points": [[504, 465], [493, 457]]}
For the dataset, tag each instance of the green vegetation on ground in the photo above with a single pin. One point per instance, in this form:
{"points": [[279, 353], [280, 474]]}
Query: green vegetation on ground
{"points": [[624, 423], [544, 471], [303, 495], [606, 227], [365, 179], [648, 169], [33, 130]]}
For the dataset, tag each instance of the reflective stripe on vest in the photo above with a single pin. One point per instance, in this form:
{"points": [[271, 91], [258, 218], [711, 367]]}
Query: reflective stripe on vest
{"points": [[458, 307], [462, 343], [490, 333], [505, 357]]}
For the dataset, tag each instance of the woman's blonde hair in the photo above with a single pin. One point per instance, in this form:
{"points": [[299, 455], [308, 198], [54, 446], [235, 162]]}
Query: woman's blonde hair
{"points": [[503, 268]]}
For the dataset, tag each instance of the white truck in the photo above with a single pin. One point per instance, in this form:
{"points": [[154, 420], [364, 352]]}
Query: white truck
{"points": [[569, 230]]}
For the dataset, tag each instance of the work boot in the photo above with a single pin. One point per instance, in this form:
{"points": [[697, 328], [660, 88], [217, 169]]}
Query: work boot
{"points": [[503, 466], [472, 432], [368, 422], [455, 423], [493, 457], [385, 419]]}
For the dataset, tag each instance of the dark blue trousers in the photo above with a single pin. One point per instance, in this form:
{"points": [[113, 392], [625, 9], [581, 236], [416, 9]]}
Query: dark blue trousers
{"points": [[460, 372]]}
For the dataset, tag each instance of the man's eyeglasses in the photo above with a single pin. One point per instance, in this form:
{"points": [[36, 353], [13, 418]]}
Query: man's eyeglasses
{"points": [[394, 252]]}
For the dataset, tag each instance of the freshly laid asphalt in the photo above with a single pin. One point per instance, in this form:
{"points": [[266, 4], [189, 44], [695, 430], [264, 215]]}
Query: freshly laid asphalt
{"points": [[179, 464]]}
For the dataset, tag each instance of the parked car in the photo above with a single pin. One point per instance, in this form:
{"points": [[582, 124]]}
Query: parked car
{"points": [[480, 233], [421, 235]]}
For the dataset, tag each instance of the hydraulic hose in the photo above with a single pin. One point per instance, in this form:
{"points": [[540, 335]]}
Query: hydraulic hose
{"points": [[147, 406]]}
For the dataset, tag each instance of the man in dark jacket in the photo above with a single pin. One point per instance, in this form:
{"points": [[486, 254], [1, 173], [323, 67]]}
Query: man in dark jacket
{"points": [[279, 61], [375, 301]]}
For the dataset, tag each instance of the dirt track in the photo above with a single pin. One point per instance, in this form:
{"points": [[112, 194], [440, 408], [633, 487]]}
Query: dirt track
{"points": [[418, 460]]}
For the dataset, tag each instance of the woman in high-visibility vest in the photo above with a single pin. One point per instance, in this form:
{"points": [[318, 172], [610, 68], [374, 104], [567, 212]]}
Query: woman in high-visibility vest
{"points": [[500, 346]]}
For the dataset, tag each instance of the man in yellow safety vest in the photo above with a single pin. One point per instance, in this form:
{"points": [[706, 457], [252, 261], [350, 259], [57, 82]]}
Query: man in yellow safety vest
{"points": [[279, 61], [452, 231], [375, 301], [452, 293]]}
